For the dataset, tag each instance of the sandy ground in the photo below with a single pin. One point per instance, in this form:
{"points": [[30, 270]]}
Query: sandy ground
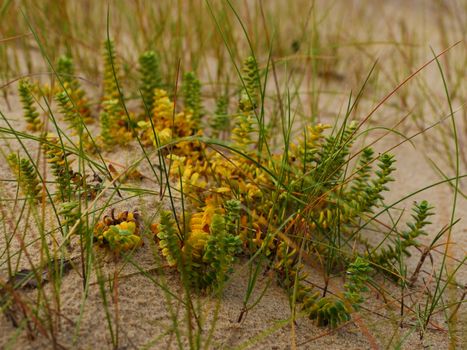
{"points": [[144, 313], [144, 309]]}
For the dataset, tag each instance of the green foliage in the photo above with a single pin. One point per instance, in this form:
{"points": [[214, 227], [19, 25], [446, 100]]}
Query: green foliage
{"points": [[251, 85], [287, 267], [27, 176], [169, 242], [191, 88], [385, 166], [361, 182], [206, 255], [232, 215], [112, 116], [66, 71], [220, 121], [69, 112], [220, 251], [304, 155], [60, 164], [358, 275], [332, 156], [313, 172], [325, 311], [150, 77], [110, 66], [389, 255], [108, 121], [31, 115], [76, 95], [243, 130], [364, 192], [115, 126], [248, 198], [113, 129], [71, 213], [421, 211], [245, 124]]}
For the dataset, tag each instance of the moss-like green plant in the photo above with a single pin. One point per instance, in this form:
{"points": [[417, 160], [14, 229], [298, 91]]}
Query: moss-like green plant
{"points": [[422, 211], [71, 213], [74, 91], [325, 311], [220, 121], [232, 215], [107, 121], [207, 253], [113, 129], [31, 115], [388, 256], [111, 70], [303, 154], [112, 118], [332, 155], [245, 124], [251, 82], [150, 77], [237, 201], [313, 173], [358, 275], [220, 252], [287, 267], [60, 164], [374, 192], [27, 176], [191, 88], [364, 191], [169, 242], [361, 181], [66, 71], [243, 131], [69, 112]]}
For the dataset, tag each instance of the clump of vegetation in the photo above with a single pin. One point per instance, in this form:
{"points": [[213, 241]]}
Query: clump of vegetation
{"points": [[115, 128], [231, 209], [31, 115], [60, 164], [358, 274], [119, 233], [27, 176], [205, 251], [245, 120], [150, 78], [192, 97], [220, 122], [76, 97], [387, 257], [246, 177], [71, 214]]}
